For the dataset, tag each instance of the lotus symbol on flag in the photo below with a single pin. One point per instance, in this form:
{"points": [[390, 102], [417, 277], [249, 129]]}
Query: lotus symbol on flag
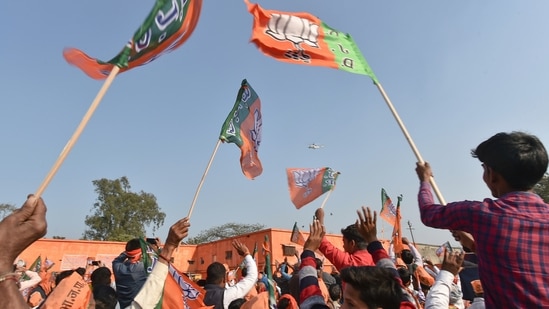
{"points": [[303, 178], [297, 30], [256, 132]]}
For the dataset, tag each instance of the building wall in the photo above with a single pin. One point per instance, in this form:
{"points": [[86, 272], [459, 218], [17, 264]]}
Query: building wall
{"points": [[193, 259]]}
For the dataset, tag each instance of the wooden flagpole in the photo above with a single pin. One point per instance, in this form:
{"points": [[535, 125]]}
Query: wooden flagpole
{"points": [[72, 141], [203, 178], [327, 197], [410, 141]]}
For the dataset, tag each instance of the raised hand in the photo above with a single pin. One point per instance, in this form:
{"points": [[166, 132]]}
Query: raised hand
{"points": [[178, 231], [240, 248], [452, 261], [366, 224], [317, 232], [20, 229], [319, 215], [424, 172]]}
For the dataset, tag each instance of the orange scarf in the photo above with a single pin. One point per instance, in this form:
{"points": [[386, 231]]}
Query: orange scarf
{"points": [[134, 255]]}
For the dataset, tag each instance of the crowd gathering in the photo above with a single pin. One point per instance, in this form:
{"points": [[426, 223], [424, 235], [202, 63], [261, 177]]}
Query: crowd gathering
{"points": [[508, 237]]}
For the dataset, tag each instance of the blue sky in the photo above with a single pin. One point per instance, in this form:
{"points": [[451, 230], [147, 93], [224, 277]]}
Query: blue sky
{"points": [[457, 72]]}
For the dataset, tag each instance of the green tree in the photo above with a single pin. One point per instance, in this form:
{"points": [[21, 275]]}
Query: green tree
{"points": [[224, 231], [119, 214], [542, 188], [6, 210]]}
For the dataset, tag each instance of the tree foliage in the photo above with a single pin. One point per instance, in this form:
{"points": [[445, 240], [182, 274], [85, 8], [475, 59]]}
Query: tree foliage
{"points": [[224, 231], [542, 188], [120, 214], [6, 210]]}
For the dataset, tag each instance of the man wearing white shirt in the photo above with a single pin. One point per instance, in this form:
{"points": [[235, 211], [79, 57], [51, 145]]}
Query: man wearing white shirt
{"points": [[220, 295], [440, 293]]}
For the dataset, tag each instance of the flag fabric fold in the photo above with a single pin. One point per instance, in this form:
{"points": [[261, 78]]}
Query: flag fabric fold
{"points": [[297, 237], [181, 292], [307, 184], [388, 209], [397, 230], [302, 38], [169, 24], [243, 128], [269, 273]]}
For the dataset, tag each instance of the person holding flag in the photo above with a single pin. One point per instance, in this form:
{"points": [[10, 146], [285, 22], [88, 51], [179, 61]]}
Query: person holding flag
{"points": [[354, 253], [510, 232], [18, 231]]}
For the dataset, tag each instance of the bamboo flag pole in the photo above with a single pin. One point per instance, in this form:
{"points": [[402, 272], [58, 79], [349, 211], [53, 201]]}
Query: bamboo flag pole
{"points": [[203, 178], [410, 141], [327, 197], [72, 141]]}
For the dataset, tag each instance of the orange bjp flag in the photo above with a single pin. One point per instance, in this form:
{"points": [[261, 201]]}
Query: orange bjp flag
{"points": [[297, 237], [397, 230], [181, 292], [168, 25], [302, 38], [388, 209], [243, 127], [307, 184]]}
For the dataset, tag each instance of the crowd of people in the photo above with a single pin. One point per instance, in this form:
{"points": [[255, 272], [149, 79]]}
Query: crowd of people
{"points": [[508, 238]]}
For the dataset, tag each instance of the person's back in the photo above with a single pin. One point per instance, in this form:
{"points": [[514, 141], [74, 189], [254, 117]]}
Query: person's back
{"points": [[511, 233], [214, 287], [129, 273]]}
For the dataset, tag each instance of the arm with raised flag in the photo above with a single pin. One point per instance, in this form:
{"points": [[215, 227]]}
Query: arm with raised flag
{"points": [[18, 231], [151, 292], [168, 25]]}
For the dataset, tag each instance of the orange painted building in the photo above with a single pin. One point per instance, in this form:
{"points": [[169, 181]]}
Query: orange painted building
{"points": [[191, 259]]}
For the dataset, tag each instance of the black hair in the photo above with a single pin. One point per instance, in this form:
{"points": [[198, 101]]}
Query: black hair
{"points": [[283, 303], [377, 286], [133, 244], [351, 233], [237, 303], [318, 263], [62, 275], [101, 276], [520, 158], [215, 273], [404, 275], [335, 291], [105, 297], [81, 271], [407, 256], [294, 286], [201, 282]]}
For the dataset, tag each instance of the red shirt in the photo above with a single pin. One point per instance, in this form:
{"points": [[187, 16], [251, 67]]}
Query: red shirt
{"points": [[342, 259]]}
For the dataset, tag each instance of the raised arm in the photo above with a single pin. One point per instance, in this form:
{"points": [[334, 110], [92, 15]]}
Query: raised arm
{"points": [[151, 292], [18, 231]]}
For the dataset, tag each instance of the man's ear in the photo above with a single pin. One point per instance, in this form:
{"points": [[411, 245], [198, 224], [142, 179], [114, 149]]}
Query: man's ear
{"points": [[496, 182], [352, 242]]}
